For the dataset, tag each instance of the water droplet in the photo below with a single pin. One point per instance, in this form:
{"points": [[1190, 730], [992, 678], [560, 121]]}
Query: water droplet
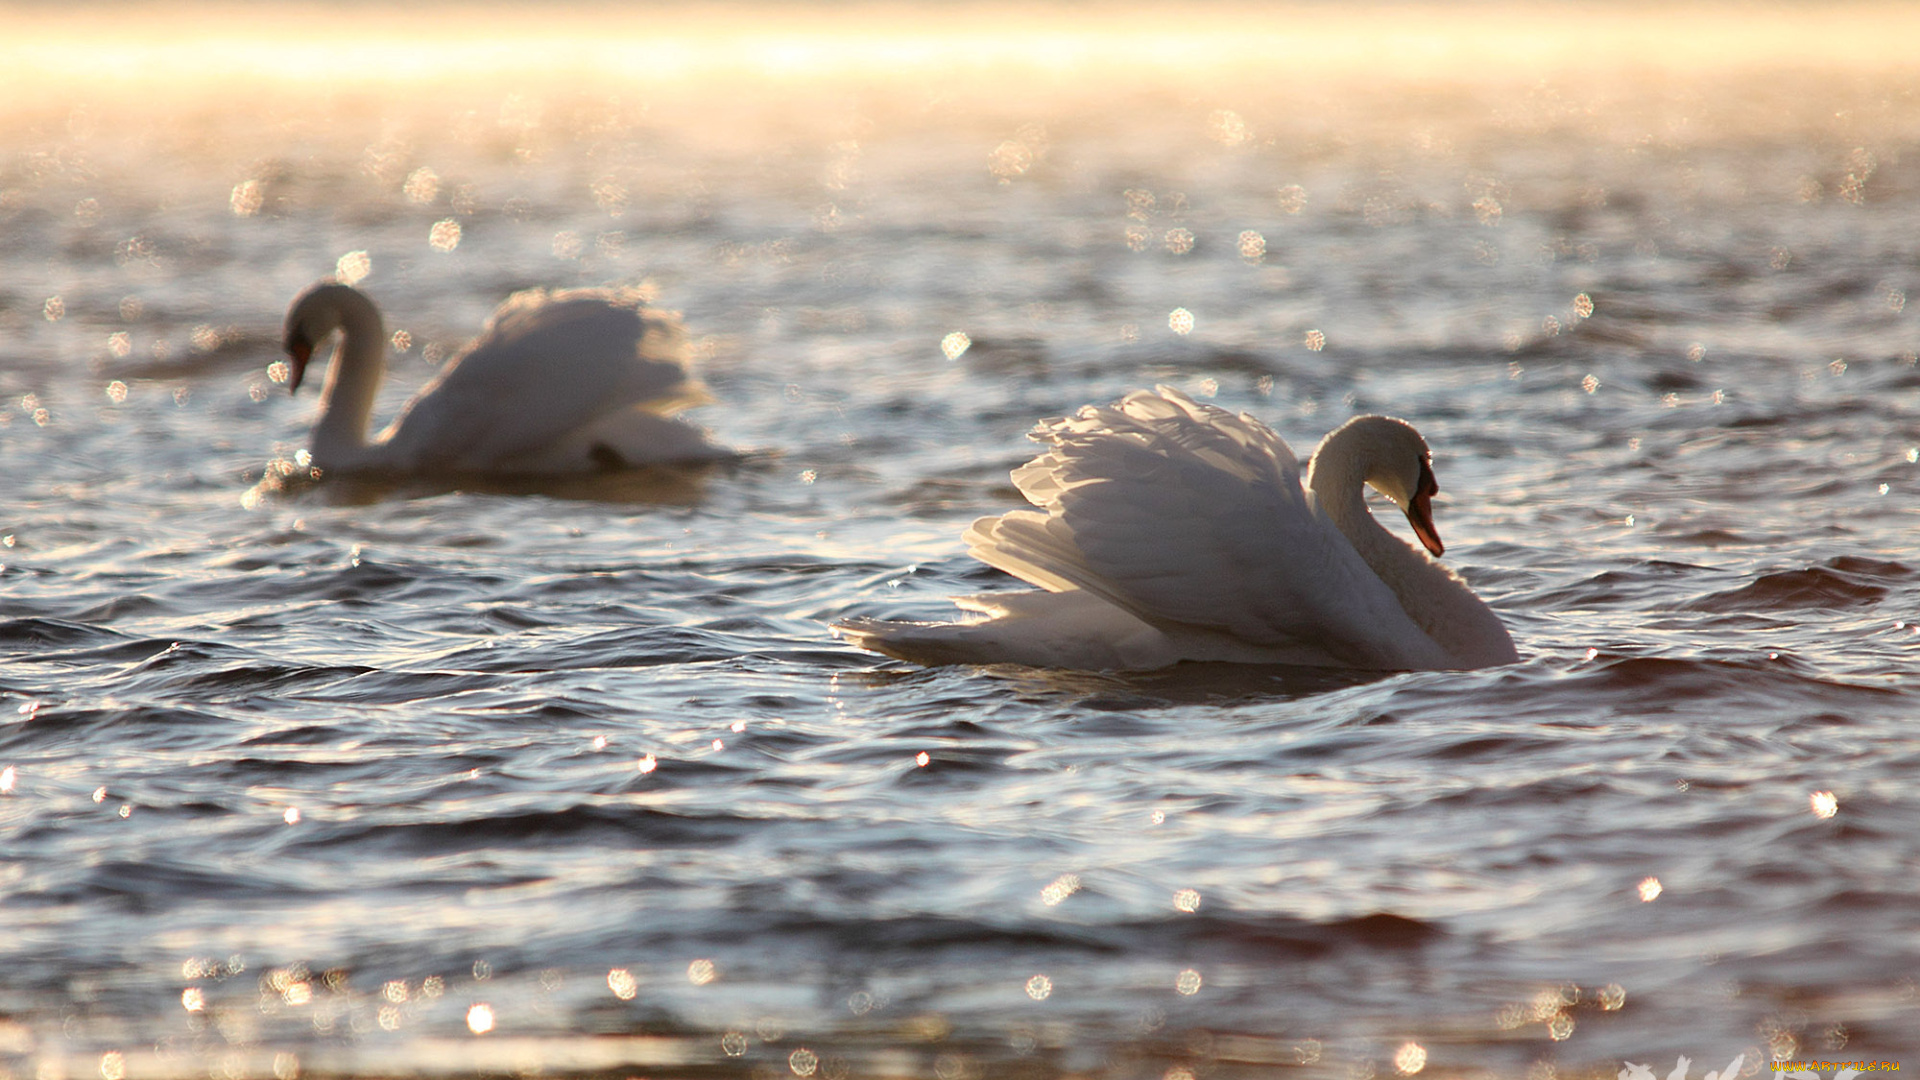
{"points": [[247, 198], [1824, 804], [1010, 159], [445, 235], [422, 185], [1227, 127], [353, 267], [1059, 889], [623, 984]]}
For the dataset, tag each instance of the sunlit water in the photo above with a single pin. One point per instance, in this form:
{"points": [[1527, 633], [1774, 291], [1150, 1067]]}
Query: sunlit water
{"points": [[572, 778]]}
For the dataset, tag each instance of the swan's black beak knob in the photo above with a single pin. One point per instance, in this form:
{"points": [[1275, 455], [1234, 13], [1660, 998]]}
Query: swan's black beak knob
{"points": [[1420, 510], [301, 351]]}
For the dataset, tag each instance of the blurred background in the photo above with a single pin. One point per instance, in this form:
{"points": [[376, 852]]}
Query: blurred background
{"points": [[569, 777]]}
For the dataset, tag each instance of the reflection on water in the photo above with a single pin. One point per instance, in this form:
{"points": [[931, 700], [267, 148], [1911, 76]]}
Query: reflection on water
{"points": [[351, 777]]}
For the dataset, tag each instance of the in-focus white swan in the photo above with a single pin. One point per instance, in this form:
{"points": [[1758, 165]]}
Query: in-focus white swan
{"points": [[560, 382], [1170, 530]]}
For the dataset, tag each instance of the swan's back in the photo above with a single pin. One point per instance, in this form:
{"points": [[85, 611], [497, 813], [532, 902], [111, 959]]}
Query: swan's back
{"points": [[546, 367]]}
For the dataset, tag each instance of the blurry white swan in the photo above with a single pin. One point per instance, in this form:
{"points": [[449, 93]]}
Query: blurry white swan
{"points": [[1174, 530], [557, 382]]}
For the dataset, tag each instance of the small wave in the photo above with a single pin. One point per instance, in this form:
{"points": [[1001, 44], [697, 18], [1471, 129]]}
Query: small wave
{"points": [[1843, 582]]}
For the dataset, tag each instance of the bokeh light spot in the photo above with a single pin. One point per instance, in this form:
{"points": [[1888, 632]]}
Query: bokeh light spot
{"points": [[353, 267], [445, 235], [1059, 889], [623, 984]]}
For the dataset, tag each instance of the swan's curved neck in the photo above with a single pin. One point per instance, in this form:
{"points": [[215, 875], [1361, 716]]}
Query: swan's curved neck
{"points": [[1337, 476], [1437, 601], [353, 378]]}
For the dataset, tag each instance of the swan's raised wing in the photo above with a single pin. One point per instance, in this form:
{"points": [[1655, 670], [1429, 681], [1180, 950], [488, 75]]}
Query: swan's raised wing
{"points": [[1185, 513], [545, 365]]}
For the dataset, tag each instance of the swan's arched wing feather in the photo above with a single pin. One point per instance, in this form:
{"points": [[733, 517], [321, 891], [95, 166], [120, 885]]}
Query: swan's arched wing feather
{"points": [[546, 364], [1185, 513]]}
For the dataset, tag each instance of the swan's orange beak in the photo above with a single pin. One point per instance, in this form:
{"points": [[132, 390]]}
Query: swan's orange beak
{"points": [[301, 350], [1420, 510]]}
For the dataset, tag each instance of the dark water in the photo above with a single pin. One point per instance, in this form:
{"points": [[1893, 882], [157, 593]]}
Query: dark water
{"points": [[298, 782]]}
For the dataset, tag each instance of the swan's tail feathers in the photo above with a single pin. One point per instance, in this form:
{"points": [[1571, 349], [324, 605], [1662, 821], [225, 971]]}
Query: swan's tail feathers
{"points": [[1071, 630], [932, 644]]}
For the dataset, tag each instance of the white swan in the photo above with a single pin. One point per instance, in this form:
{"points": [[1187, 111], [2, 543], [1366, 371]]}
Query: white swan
{"points": [[1174, 530], [560, 382]]}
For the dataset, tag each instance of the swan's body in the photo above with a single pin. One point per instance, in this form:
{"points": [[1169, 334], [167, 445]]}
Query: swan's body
{"points": [[558, 382], [1170, 530]]}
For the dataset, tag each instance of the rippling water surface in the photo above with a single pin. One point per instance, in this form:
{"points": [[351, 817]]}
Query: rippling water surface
{"points": [[571, 777]]}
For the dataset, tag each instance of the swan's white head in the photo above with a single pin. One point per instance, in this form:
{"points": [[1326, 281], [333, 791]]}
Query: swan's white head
{"points": [[1394, 460], [316, 314]]}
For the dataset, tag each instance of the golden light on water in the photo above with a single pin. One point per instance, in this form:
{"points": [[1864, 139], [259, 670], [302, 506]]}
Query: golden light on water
{"points": [[480, 1019], [1823, 804], [1409, 1059], [1059, 889], [623, 984], [1649, 889]]}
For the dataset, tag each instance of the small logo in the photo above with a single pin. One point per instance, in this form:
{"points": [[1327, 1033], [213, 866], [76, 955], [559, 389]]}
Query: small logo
{"points": [[1644, 1072]]}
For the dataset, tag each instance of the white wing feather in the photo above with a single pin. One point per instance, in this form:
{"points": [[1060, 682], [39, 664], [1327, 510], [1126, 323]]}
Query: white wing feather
{"points": [[1180, 512], [544, 366]]}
